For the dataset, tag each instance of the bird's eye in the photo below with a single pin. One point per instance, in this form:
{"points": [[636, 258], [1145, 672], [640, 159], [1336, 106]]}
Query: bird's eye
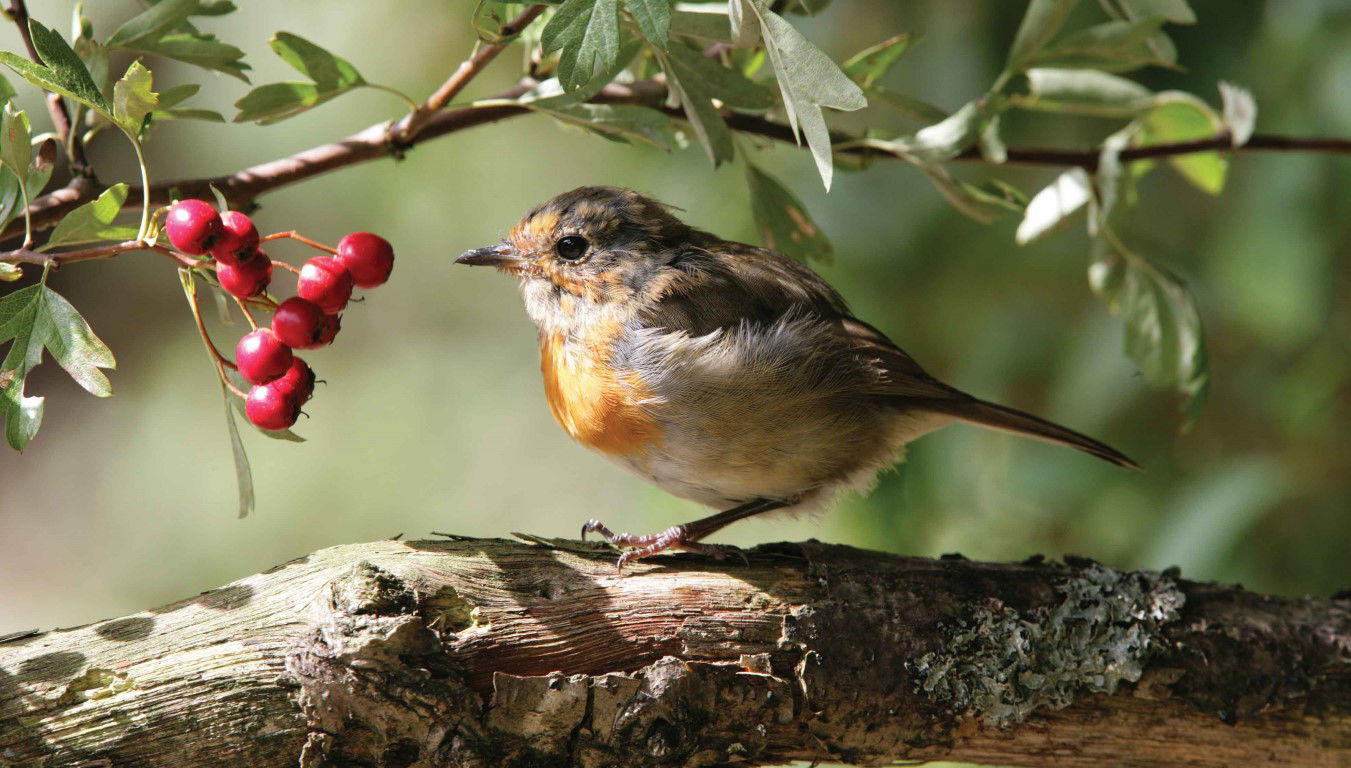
{"points": [[571, 248]]}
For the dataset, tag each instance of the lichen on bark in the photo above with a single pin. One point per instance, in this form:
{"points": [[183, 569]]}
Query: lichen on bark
{"points": [[1001, 664]]}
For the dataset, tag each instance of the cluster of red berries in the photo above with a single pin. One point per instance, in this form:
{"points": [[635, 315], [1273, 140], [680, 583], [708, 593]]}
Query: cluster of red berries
{"points": [[282, 382]]}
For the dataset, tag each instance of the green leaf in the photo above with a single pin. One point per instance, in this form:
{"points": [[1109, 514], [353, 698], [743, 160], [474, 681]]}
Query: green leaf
{"points": [[913, 108], [550, 92], [586, 32], [152, 23], [133, 99], [703, 116], [725, 84], [93, 221], [707, 24], [1114, 46], [63, 73], [653, 18], [329, 72], [872, 63], [808, 80], [1043, 20], [6, 90], [37, 318], [1084, 92], [490, 17], [275, 102], [207, 115], [1053, 205], [176, 95], [10, 272], [198, 49], [782, 219], [1163, 325], [1175, 11], [16, 138], [1180, 116], [991, 142], [959, 195], [1240, 112], [947, 138], [616, 121]]}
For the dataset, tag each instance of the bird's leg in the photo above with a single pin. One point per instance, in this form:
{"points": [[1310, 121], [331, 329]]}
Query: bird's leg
{"points": [[684, 537]]}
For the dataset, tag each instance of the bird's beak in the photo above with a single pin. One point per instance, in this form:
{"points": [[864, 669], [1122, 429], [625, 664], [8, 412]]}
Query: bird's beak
{"points": [[501, 255]]}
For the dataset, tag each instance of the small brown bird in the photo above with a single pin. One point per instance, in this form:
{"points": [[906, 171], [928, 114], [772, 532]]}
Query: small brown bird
{"points": [[724, 373]]}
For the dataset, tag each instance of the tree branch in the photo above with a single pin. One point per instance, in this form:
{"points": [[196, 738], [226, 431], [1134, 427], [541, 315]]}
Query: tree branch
{"points": [[487, 652], [377, 141]]}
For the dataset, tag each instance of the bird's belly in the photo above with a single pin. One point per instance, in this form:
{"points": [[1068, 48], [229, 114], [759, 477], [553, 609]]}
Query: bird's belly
{"points": [[595, 404]]}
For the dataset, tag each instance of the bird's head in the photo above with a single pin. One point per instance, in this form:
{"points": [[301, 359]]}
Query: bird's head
{"points": [[591, 248]]}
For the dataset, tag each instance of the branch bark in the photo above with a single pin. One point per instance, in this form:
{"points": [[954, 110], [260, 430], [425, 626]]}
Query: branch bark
{"points": [[487, 652]]}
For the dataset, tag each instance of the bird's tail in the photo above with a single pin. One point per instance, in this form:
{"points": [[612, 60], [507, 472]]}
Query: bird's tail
{"points": [[1012, 420]]}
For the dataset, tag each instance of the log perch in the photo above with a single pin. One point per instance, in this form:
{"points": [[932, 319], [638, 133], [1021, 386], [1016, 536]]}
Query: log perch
{"points": [[474, 652]]}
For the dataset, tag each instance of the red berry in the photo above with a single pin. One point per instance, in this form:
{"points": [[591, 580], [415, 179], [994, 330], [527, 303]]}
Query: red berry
{"points": [[370, 258], [298, 381], [271, 406], [299, 323], [261, 357], [326, 282], [327, 331], [238, 238], [192, 226], [248, 277]]}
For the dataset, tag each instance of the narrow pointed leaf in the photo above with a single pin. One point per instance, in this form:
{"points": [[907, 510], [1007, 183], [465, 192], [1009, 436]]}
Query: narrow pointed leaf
{"points": [[1052, 206], [872, 63], [1041, 22]]}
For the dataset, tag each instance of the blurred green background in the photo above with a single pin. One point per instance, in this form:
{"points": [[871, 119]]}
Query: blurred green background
{"points": [[433, 416]]}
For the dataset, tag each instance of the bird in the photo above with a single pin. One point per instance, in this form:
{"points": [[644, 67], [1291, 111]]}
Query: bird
{"points": [[728, 374]]}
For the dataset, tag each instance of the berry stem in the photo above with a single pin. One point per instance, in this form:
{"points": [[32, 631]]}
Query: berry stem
{"points": [[221, 360], [294, 235], [244, 307], [230, 385], [286, 266]]}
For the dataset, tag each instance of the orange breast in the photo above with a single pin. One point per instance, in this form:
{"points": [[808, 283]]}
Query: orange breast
{"points": [[598, 406]]}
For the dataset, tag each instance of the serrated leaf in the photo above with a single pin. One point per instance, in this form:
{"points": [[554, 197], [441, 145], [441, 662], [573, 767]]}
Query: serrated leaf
{"points": [[1084, 92], [1163, 325], [1240, 112], [176, 95], [1182, 117], [152, 23], [782, 219], [37, 318], [550, 91], [93, 221], [872, 63], [16, 149], [616, 121], [586, 34], [653, 18], [1054, 204], [61, 72], [1040, 23], [133, 98], [6, 89], [328, 71], [808, 80]]}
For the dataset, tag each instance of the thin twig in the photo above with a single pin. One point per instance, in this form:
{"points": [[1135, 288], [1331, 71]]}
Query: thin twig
{"points": [[294, 235], [412, 125], [56, 106]]}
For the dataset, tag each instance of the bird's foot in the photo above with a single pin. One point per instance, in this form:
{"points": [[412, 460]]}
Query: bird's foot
{"points": [[682, 537]]}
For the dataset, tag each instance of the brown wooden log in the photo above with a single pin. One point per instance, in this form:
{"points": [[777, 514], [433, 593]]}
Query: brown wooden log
{"points": [[498, 653]]}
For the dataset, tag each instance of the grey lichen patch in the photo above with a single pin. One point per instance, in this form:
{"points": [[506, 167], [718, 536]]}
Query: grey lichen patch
{"points": [[1000, 665]]}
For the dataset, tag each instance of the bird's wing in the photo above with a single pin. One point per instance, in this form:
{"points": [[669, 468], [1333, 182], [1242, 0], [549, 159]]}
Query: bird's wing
{"points": [[721, 285]]}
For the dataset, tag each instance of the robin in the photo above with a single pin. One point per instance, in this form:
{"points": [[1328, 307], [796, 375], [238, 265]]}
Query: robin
{"points": [[724, 373]]}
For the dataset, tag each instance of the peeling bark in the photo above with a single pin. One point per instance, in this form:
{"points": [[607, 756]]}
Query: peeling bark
{"points": [[496, 653]]}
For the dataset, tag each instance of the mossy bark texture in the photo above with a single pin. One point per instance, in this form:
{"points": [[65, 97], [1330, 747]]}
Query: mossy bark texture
{"points": [[474, 652]]}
